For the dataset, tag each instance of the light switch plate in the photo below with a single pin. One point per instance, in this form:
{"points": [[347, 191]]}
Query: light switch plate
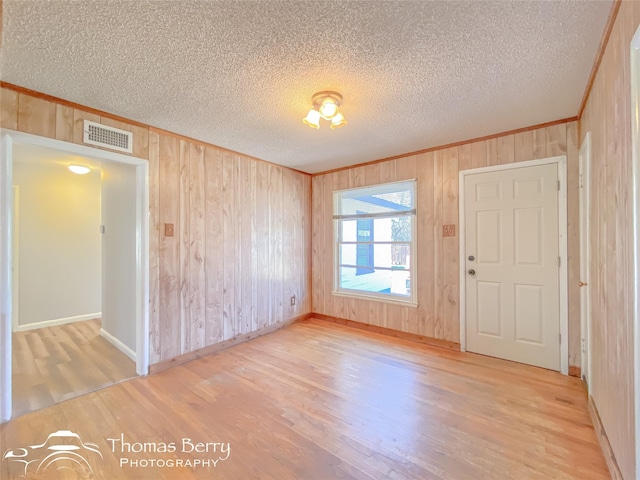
{"points": [[449, 230], [168, 229]]}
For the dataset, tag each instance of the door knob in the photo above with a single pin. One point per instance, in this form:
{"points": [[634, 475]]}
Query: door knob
{"points": [[471, 258], [472, 272], [582, 284]]}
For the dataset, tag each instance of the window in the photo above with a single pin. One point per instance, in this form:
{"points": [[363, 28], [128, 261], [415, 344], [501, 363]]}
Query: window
{"points": [[375, 254]]}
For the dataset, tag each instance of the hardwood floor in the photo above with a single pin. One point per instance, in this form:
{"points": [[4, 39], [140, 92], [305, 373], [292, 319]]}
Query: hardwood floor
{"points": [[322, 401], [58, 363]]}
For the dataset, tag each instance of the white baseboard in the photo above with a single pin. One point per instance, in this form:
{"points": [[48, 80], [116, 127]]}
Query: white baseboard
{"points": [[57, 321], [118, 344]]}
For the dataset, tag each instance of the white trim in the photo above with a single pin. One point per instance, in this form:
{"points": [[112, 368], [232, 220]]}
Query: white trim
{"points": [[118, 344], [585, 250], [635, 166], [8, 138], [563, 225], [462, 262], [561, 162], [57, 321], [6, 190], [372, 185], [15, 258], [511, 166], [388, 298], [142, 268]]}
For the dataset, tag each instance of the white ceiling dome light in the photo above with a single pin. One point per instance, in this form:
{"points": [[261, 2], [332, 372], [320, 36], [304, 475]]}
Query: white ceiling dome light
{"points": [[79, 169]]}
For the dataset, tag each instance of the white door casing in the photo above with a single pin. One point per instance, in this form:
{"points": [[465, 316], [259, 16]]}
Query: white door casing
{"points": [[6, 234], [585, 249], [513, 222], [15, 257]]}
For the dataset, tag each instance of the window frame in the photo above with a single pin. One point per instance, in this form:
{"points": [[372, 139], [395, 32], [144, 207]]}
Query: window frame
{"points": [[412, 299]]}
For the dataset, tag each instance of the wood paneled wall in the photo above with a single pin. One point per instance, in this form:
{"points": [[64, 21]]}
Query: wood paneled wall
{"points": [[437, 314], [242, 229], [608, 117]]}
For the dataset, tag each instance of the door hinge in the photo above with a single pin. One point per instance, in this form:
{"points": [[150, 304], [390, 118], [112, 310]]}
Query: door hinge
{"points": [[559, 261], [558, 185], [581, 180], [559, 338]]}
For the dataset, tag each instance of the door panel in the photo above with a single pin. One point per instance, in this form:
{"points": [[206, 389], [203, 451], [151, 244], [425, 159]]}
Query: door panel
{"points": [[488, 243], [489, 311], [528, 236], [513, 302], [528, 313]]}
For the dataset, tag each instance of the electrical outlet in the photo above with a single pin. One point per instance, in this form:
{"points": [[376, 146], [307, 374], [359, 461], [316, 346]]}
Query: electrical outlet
{"points": [[293, 300], [168, 229], [449, 230]]}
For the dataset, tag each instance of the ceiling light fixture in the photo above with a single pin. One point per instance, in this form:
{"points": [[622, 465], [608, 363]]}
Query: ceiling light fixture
{"points": [[325, 105], [79, 169]]}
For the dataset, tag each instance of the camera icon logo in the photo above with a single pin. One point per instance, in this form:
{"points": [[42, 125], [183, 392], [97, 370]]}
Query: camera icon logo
{"points": [[63, 450]]}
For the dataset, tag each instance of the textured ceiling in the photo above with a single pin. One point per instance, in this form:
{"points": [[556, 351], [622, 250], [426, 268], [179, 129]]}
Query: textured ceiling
{"points": [[240, 74]]}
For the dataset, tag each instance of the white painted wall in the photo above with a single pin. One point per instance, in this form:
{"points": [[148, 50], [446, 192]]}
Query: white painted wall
{"points": [[59, 244], [119, 256]]}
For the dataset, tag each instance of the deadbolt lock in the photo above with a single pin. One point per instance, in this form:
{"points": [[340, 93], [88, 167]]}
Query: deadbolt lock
{"points": [[471, 258]]}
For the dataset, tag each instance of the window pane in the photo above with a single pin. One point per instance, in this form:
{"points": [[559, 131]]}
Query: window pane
{"points": [[382, 230], [393, 197], [348, 231], [396, 229], [395, 282], [348, 254], [401, 229], [401, 255], [382, 255], [364, 230]]}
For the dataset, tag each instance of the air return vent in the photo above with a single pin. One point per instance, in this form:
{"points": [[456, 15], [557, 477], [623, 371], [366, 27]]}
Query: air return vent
{"points": [[108, 137]]}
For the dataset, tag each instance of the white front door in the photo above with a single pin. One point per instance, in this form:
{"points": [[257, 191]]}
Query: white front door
{"points": [[512, 265]]}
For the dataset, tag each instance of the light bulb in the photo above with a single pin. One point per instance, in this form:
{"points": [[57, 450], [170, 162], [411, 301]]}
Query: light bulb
{"points": [[328, 109], [79, 169], [338, 121]]}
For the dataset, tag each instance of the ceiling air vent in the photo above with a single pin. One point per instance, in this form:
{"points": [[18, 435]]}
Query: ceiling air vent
{"points": [[108, 137]]}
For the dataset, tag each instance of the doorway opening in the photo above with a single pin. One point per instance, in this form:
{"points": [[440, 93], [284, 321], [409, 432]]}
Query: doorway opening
{"points": [[103, 319]]}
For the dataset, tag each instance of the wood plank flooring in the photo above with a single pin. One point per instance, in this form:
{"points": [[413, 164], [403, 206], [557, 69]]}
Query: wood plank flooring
{"points": [[322, 401], [58, 363]]}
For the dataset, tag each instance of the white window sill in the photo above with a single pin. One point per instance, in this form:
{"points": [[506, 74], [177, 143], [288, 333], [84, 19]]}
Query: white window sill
{"points": [[375, 298]]}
